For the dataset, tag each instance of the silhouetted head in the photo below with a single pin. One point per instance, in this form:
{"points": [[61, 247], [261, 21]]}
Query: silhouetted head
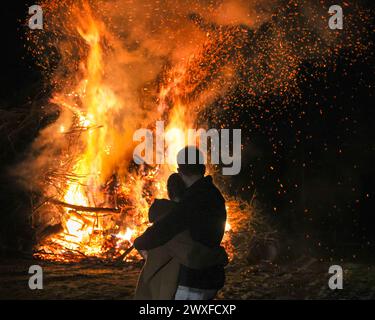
{"points": [[176, 187], [191, 166]]}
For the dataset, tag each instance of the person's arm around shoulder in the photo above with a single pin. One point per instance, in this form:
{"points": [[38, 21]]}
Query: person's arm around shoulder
{"points": [[164, 230]]}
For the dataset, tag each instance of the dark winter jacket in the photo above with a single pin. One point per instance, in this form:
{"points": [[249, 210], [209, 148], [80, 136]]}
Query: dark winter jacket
{"points": [[202, 212], [158, 279]]}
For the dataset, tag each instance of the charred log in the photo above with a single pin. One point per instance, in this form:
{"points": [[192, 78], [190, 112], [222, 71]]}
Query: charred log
{"points": [[83, 208]]}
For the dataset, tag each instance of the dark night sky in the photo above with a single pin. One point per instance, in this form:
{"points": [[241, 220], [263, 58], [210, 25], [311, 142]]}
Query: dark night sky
{"points": [[16, 72]]}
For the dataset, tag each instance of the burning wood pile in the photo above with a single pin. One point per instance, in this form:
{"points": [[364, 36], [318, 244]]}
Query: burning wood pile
{"points": [[92, 201]]}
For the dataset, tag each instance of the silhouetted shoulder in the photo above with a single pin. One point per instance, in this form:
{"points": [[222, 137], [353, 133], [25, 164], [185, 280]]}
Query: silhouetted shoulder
{"points": [[159, 209], [213, 190]]}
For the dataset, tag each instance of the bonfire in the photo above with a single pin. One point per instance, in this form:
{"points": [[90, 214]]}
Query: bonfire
{"points": [[93, 199]]}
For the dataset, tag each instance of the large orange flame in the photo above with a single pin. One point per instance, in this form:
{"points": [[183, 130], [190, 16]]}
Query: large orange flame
{"points": [[99, 182]]}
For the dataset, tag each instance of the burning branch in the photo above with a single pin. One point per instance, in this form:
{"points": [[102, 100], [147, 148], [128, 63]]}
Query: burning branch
{"points": [[123, 256], [83, 208]]}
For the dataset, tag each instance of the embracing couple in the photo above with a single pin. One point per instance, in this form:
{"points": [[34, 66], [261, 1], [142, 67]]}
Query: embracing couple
{"points": [[184, 259]]}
